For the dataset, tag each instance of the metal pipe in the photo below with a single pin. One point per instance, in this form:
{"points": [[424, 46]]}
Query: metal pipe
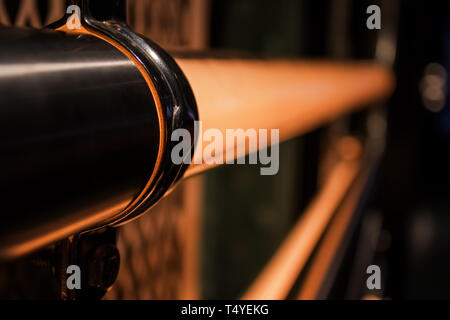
{"points": [[85, 125], [279, 275], [86, 118], [291, 95]]}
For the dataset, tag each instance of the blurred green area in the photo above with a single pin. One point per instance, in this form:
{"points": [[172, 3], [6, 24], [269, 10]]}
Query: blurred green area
{"points": [[246, 215], [259, 26]]}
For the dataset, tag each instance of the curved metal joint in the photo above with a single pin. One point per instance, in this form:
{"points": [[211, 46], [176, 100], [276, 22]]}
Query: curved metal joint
{"points": [[94, 146], [178, 109]]}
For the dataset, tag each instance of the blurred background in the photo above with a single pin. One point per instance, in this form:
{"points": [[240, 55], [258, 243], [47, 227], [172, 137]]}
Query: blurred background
{"points": [[215, 233]]}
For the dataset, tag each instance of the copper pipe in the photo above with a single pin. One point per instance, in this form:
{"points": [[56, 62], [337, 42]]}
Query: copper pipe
{"points": [[280, 274], [330, 245], [293, 96]]}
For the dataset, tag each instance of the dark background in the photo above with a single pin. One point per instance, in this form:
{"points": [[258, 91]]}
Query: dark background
{"points": [[412, 190]]}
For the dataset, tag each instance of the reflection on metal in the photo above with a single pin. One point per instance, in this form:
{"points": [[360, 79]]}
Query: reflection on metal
{"points": [[27, 68], [278, 277]]}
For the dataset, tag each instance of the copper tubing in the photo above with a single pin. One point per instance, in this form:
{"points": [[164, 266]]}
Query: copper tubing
{"points": [[322, 262], [294, 97], [280, 274]]}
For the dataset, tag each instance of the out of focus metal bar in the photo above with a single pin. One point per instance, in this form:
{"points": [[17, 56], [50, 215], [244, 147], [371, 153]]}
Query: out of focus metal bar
{"points": [[81, 131], [293, 96], [279, 276], [324, 263]]}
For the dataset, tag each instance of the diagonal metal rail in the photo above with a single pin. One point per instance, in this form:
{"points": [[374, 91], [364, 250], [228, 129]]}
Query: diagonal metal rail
{"points": [[292, 96]]}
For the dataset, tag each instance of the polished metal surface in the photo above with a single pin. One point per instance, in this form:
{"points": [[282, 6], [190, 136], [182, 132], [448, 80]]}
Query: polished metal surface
{"points": [[86, 120], [79, 132], [107, 19]]}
